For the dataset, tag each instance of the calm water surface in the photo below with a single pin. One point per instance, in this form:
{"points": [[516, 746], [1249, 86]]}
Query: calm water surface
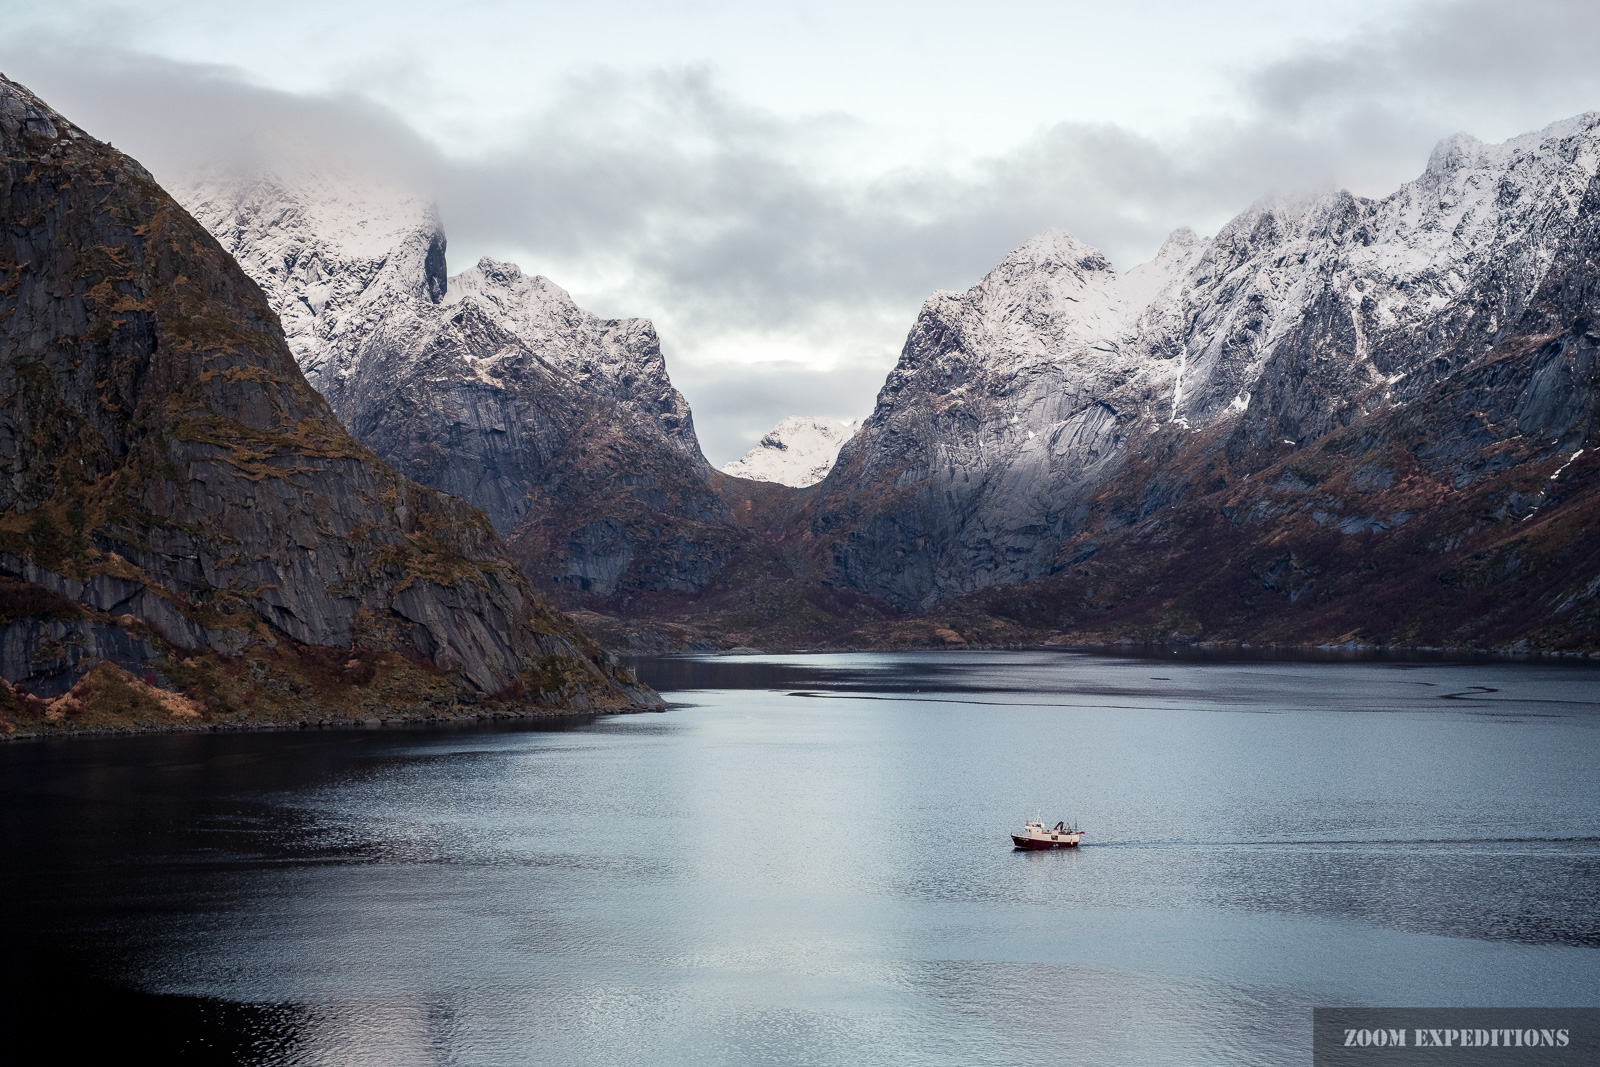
{"points": [[805, 861]]}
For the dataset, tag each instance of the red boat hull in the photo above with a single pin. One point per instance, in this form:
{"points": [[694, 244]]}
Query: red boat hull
{"points": [[1030, 843]]}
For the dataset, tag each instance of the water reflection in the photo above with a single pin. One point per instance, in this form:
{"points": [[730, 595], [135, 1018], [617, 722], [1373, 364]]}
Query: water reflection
{"points": [[765, 877]]}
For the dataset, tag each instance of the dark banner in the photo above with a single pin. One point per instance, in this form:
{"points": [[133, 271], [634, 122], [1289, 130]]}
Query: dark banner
{"points": [[1458, 1037]]}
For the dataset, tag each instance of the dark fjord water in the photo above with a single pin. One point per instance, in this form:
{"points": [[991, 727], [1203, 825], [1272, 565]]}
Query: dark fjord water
{"points": [[805, 861]]}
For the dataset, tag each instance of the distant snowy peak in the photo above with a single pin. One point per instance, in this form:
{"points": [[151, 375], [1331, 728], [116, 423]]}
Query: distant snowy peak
{"points": [[352, 216], [527, 306], [1464, 247], [1457, 253], [1014, 403], [799, 451]]}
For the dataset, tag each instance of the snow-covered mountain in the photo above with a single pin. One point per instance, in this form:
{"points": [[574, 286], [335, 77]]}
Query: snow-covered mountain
{"points": [[799, 451], [1018, 406], [1330, 397], [355, 268], [492, 385], [1420, 280], [334, 252]]}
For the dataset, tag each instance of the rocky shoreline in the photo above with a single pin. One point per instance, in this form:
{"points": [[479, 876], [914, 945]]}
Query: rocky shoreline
{"points": [[462, 718], [710, 632], [465, 714]]}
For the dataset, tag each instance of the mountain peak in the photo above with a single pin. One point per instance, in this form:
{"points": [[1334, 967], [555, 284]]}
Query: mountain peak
{"points": [[799, 451], [1056, 248], [499, 271], [1015, 403], [1454, 152], [1179, 242]]}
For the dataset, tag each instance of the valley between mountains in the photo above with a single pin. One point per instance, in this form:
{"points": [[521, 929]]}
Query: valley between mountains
{"points": [[1337, 420], [267, 457]]}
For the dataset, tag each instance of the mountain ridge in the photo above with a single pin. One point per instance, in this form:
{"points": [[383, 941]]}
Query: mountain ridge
{"points": [[178, 502], [1059, 413], [1042, 398]]}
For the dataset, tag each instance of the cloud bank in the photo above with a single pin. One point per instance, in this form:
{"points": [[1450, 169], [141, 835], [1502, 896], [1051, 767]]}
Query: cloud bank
{"points": [[781, 279]]}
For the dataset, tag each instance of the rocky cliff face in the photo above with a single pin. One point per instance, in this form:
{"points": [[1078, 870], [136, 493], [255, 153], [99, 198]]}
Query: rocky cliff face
{"points": [[1433, 345], [176, 498], [799, 451], [492, 385], [1009, 405]]}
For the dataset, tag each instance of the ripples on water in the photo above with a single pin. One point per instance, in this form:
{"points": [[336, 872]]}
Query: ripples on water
{"points": [[805, 861]]}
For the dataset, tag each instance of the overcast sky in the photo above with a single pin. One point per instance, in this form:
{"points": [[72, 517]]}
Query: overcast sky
{"points": [[779, 186]]}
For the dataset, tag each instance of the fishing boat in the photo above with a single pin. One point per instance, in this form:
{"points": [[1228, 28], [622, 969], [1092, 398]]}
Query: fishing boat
{"points": [[1036, 835]]}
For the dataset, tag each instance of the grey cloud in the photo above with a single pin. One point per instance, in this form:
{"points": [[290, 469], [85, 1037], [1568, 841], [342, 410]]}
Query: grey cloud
{"points": [[1511, 62], [177, 117], [718, 222]]}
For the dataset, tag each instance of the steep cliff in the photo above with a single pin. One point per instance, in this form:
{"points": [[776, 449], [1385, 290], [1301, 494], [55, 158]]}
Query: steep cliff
{"points": [[177, 500], [1332, 400], [1010, 405]]}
